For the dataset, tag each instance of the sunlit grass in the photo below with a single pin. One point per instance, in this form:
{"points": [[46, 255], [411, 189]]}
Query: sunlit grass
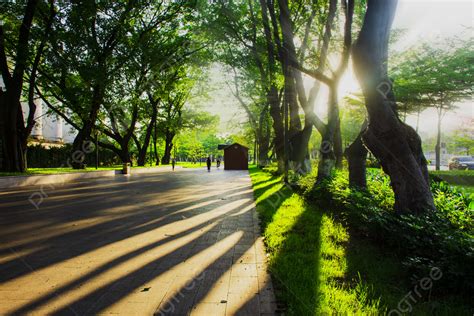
{"points": [[320, 267], [39, 171], [307, 253]]}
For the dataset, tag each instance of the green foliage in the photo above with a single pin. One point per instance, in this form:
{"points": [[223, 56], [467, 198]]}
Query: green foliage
{"points": [[430, 76], [442, 239], [307, 254], [321, 261]]}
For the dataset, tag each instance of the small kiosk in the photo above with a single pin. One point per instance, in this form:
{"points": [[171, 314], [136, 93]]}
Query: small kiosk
{"points": [[235, 156]]}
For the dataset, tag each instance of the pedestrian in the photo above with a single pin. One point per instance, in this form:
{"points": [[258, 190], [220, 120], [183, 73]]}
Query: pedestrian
{"points": [[173, 163], [218, 163], [208, 162]]}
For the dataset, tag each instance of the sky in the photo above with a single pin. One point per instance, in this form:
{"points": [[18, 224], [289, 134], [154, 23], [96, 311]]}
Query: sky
{"points": [[427, 20], [423, 19]]}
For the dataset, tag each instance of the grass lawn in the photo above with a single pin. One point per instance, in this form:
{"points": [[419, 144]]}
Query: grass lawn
{"points": [[466, 189], [462, 180], [38, 171], [320, 268], [193, 165]]}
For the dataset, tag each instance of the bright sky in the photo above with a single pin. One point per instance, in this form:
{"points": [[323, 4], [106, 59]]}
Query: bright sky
{"points": [[428, 20], [423, 19]]}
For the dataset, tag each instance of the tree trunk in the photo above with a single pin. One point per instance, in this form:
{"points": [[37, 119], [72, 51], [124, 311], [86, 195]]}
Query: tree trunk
{"points": [[327, 155], [262, 145], [356, 155], [146, 142], [279, 141], [338, 148], [77, 153], [11, 154], [396, 145], [125, 152], [12, 128], [168, 148], [438, 142], [155, 139]]}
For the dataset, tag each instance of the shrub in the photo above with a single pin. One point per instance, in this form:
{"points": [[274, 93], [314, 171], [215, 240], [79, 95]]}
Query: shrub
{"points": [[442, 239]]}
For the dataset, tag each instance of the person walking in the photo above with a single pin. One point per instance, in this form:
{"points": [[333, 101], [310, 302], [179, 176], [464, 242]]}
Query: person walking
{"points": [[218, 163], [173, 163], [208, 162]]}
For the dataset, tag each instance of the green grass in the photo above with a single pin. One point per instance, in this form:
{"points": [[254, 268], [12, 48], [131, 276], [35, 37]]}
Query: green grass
{"points": [[195, 165], [320, 268], [462, 180], [466, 189], [469, 173], [39, 171]]}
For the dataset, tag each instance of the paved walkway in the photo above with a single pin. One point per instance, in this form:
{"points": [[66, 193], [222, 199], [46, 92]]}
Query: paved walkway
{"points": [[170, 243]]}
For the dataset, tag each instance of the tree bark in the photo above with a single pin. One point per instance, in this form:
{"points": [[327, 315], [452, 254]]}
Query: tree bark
{"points": [[396, 145], [12, 128], [272, 91], [146, 142], [356, 155], [77, 152], [165, 160]]}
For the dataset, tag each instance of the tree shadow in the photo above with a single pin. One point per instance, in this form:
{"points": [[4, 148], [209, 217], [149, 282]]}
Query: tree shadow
{"points": [[295, 265], [196, 240]]}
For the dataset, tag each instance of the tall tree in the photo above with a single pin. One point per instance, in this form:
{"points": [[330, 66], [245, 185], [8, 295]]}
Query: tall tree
{"points": [[436, 78], [93, 41], [395, 144], [20, 54]]}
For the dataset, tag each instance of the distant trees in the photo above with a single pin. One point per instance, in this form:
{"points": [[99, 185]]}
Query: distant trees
{"points": [[464, 140], [270, 44], [433, 77]]}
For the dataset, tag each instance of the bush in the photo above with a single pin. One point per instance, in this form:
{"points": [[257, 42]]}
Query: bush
{"points": [[442, 239]]}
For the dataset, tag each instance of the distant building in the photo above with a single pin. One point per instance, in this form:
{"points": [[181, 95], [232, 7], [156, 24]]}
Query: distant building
{"points": [[50, 130]]}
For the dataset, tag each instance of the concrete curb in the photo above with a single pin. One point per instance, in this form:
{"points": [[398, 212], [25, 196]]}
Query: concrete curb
{"points": [[45, 179]]}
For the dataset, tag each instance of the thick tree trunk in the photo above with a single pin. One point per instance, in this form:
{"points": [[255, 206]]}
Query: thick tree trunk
{"points": [[168, 148], [12, 129], [327, 150], [396, 145], [146, 142], [77, 153], [11, 149], [438, 142], [279, 141], [299, 156], [356, 155], [125, 152]]}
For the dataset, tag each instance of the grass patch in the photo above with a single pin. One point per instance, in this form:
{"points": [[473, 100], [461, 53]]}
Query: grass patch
{"points": [[320, 266], [40, 171], [193, 165], [464, 178], [466, 189], [307, 248]]}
